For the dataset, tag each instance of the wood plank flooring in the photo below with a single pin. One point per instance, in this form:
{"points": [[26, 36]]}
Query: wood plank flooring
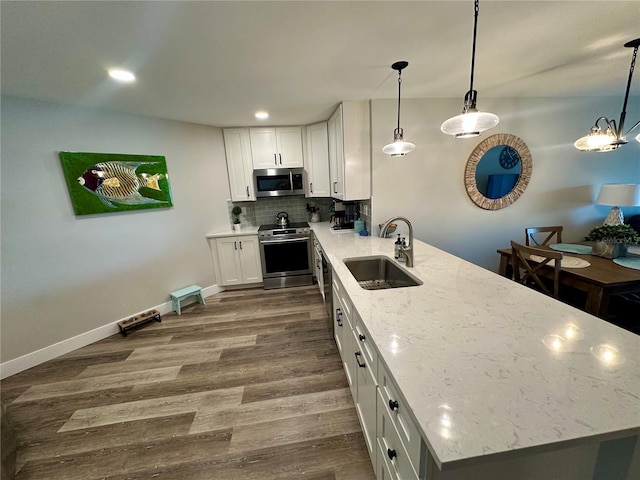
{"points": [[248, 386]]}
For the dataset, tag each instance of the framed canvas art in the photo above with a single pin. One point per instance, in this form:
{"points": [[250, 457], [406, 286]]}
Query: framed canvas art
{"points": [[111, 182]]}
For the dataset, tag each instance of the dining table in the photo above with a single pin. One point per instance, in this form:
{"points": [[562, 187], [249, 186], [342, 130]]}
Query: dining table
{"points": [[600, 280]]}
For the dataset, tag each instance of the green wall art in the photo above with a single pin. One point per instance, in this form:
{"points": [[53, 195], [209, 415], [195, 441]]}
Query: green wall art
{"points": [[110, 182]]}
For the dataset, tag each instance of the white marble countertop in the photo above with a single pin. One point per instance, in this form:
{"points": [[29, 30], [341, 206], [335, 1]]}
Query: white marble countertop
{"points": [[490, 367], [233, 233]]}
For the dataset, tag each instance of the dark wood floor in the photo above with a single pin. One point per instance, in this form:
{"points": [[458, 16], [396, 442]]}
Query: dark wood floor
{"points": [[248, 386]]}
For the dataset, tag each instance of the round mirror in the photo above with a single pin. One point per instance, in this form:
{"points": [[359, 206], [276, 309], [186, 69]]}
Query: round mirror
{"points": [[498, 171]]}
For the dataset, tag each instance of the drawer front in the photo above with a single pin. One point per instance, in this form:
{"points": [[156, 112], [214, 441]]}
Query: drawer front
{"points": [[398, 414], [383, 470], [338, 320], [366, 401], [395, 455], [365, 344], [347, 307]]}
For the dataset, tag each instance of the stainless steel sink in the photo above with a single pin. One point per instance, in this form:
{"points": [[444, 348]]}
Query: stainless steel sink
{"points": [[379, 272]]}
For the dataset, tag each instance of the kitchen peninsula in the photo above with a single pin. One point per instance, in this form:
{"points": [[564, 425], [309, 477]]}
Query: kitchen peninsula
{"points": [[500, 381]]}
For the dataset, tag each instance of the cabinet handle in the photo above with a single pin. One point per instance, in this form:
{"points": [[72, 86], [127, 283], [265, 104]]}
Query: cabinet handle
{"points": [[361, 365], [393, 405], [361, 337], [311, 186], [339, 317], [235, 245], [240, 244], [335, 190], [280, 157], [247, 191], [275, 159], [392, 454]]}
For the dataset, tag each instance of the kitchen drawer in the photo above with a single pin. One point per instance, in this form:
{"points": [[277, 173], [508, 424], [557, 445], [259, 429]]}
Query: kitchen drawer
{"points": [[395, 455], [365, 344], [344, 299], [398, 414], [383, 469]]}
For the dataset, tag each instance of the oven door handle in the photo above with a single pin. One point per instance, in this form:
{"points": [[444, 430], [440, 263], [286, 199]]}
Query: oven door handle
{"points": [[285, 240]]}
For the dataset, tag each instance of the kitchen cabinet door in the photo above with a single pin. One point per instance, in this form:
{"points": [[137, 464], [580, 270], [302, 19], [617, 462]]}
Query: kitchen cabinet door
{"points": [[317, 160], [229, 261], [276, 147], [289, 143], [263, 148], [239, 164], [238, 260], [350, 151], [249, 253], [335, 153]]}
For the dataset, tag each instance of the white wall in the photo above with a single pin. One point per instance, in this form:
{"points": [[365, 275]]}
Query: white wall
{"points": [[64, 275], [427, 186]]}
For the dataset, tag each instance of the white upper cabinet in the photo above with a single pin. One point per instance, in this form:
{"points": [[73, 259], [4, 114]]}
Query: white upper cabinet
{"points": [[316, 160], [350, 151], [239, 165], [279, 147]]}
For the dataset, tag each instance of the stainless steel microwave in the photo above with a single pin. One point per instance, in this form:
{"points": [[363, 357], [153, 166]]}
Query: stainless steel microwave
{"points": [[278, 182]]}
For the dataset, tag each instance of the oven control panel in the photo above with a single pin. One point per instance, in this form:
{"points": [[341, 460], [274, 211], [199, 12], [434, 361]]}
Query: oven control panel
{"points": [[285, 232]]}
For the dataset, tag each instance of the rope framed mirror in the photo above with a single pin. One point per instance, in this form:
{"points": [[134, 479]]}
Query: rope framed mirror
{"points": [[498, 171]]}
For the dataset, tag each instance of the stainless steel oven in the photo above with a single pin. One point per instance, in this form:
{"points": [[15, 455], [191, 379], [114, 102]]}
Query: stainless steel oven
{"points": [[286, 255]]}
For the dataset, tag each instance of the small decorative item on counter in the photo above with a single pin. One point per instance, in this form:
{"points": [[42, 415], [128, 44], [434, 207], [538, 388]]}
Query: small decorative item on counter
{"points": [[315, 213], [236, 211], [611, 241], [364, 233], [397, 247]]}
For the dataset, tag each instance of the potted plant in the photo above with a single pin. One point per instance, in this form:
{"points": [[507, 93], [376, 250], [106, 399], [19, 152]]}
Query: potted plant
{"points": [[236, 211], [611, 241]]}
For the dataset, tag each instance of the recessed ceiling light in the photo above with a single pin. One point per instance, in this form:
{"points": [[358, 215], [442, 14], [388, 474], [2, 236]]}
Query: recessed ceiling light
{"points": [[121, 75], [262, 115]]}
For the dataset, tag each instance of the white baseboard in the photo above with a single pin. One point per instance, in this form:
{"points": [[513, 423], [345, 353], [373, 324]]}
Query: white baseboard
{"points": [[45, 354]]}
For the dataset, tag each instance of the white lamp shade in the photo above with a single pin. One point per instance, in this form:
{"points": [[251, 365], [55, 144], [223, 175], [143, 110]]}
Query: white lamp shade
{"points": [[597, 142], [470, 124], [398, 148], [619, 195]]}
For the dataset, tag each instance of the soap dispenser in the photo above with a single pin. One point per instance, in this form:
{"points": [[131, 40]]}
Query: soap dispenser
{"points": [[397, 248], [403, 244]]}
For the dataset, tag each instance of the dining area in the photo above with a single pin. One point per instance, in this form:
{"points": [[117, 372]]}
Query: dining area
{"points": [[598, 275]]}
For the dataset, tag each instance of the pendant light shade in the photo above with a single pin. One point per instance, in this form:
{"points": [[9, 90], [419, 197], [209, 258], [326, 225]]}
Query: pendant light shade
{"points": [[471, 122], [612, 137], [398, 147]]}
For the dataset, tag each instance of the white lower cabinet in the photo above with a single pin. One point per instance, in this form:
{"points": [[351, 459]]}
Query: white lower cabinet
{"points": [[237, 260], [395, 446]]}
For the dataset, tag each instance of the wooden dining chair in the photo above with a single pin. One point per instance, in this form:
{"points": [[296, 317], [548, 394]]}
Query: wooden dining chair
{"points": [[551, 232], [527, 271]]}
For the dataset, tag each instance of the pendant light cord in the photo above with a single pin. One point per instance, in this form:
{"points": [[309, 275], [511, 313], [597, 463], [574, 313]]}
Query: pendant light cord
{"points": [[473, 49], [623, 114], [399, 84]]}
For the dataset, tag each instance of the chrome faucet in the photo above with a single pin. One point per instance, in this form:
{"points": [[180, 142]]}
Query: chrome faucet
{"points": [[407, 250]]}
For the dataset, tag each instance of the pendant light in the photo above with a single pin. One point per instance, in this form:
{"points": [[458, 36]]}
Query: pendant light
{"points": [[398, 147], [471, 122], [611, 138]]}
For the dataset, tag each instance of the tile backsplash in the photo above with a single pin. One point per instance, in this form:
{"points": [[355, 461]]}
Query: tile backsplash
{"points": [[264, 210]]}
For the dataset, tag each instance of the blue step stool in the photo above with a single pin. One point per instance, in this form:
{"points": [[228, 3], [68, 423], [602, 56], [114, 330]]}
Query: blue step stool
{"points": [[179, 295]]}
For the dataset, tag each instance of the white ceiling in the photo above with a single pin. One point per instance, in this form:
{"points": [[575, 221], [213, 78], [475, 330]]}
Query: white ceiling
{"points": [[216, 63]]}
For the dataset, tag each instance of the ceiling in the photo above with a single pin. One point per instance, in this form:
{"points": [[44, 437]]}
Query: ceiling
{"points": [[216, 63]]}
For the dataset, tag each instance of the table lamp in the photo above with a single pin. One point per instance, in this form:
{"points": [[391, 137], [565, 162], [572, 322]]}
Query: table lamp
{"points": [[618, 195]]}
